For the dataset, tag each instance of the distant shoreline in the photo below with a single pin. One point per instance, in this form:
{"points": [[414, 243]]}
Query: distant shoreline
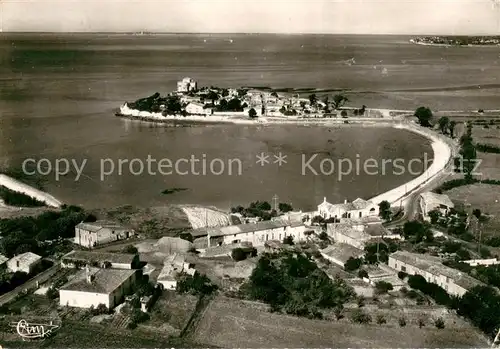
{"points": [[413, 41]]}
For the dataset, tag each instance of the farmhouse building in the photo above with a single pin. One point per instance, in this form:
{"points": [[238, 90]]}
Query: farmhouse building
{"points": [[453, 281], [357, 209], [173, 266], [94, 286], [100, 232], [76, 259], [432, 201], [339, 253], [196, 109], [186, 85], [255, 233], [358, 233], [25, 262]]}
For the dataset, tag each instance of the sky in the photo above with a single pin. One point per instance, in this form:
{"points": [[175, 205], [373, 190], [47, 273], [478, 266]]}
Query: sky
{"points": [[458, 17]]}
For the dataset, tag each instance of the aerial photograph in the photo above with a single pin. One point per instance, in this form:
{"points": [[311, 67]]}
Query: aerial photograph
{"points": [[250, 174]]}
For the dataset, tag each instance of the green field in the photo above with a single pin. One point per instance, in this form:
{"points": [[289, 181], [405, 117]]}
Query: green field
{"points": [[233, 323]]}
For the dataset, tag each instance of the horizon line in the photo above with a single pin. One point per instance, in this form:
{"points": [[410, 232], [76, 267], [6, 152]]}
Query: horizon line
{"points": [[235, 33]]}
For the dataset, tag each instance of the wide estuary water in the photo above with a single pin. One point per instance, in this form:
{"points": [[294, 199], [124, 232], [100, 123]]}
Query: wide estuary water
{"points": [[58, 95]]}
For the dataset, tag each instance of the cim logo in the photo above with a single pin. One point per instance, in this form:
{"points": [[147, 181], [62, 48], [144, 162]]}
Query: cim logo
{"points": [[34, 330]]}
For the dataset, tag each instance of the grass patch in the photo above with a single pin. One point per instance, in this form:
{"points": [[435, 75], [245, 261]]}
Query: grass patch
{"points": [[14, 198], [229, 322]]}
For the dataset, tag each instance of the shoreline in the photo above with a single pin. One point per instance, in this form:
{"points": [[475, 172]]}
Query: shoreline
{"points": [[442, 151], [442, 155], [412, 41], [23, 188]]}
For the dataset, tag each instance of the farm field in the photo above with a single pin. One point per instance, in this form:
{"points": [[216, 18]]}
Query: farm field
{"points": [[233, 323], [490, 135], [171, 312], [484, 197]]}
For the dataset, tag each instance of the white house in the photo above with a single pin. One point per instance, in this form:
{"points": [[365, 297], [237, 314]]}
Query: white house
{"points": [[94, 286], [74, 259], [432, 201], [431, 269], [196, 109], [358, 233], [92, 234], [357, 209], [186, 85], [173, 266], [339, 253], [25, 262], [255, 233]]}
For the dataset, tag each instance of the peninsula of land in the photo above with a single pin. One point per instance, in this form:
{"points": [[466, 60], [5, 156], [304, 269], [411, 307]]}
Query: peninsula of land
{"points": [[457, 40]]}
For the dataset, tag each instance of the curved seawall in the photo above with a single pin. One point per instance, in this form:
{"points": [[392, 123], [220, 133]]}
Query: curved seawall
{"points": [[20, 187], [442, 154]]}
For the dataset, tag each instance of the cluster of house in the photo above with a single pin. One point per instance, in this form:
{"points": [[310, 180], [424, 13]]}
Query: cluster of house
{"points": [[356, 224], [106, 278], [103, 278], [264, 103]]}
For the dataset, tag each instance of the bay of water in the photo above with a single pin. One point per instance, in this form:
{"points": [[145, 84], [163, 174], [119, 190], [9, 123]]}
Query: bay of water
{"points": [[58, 94]]}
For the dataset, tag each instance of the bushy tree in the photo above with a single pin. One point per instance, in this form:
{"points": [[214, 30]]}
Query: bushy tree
{"points": [[358, 316], [196, 284], [293, 283], [383, 287], [451, 128], [288, 240], [252, 113], [385, 210], [353, 264], [402, 275], [424, 116], [417, 231], [130, 249], [381, 319], [339, 100], [284, 207], [444, 124], [363, 273], [238, 254], [435, 215], [439, 323]]}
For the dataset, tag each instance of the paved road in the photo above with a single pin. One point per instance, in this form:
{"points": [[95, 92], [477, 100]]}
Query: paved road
{"points": [[31, 283], [412, 207]]}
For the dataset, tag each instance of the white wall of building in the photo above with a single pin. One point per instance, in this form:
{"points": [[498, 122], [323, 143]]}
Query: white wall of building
{"points": [[258, 238], [13, 266], [192, 108], [441, 280], [168, 284], [81, 299], [476, 262], [90, 239]]}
